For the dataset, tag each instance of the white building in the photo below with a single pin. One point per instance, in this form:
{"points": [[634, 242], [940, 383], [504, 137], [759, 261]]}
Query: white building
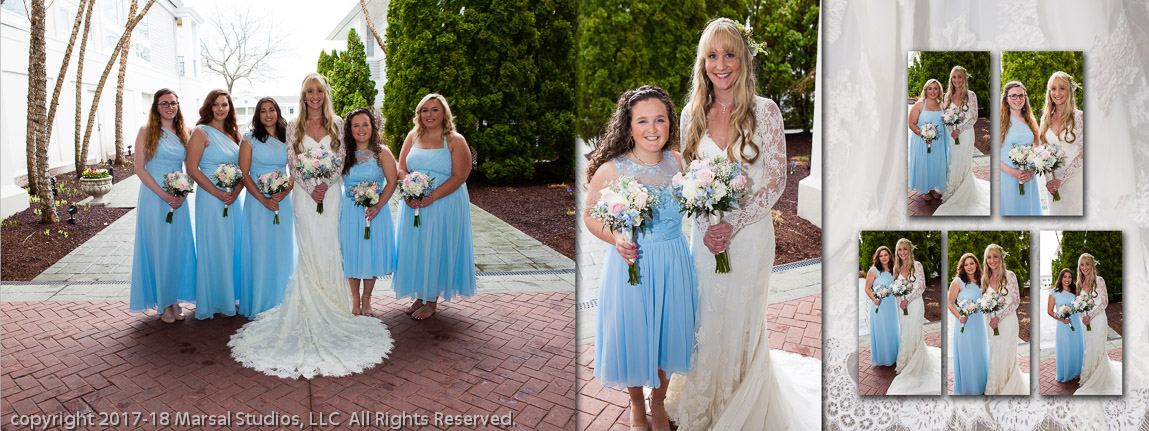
{"points": [[245, 108], [375, 58], [164, 53]]}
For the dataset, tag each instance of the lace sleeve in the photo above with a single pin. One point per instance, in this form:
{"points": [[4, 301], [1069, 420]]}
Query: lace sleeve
{"points": [[1102, 298], [767, 176], [919, 283], [1074, 166], [970, 114], [305, 186], [1012, 295]]}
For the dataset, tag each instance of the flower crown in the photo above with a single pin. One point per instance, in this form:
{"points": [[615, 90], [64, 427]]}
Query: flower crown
{"points": [[748, 34]]}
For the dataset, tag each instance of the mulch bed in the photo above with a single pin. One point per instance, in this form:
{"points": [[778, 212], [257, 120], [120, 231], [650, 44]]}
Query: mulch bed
{"points": [[27, 247], [545, 212], [933, 297], [982, 137], [795, 238]]}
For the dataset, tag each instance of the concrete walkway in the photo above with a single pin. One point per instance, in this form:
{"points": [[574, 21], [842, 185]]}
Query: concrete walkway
{"points": [[506, 259]]}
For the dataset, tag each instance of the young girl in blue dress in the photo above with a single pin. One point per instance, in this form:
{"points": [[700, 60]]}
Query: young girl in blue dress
{"points": [[928, 163], [267, 249], [646, 332], [970, 344], [214, 142], [366, 159], [1070, 336], [437, 258], [163, 264], [884, 326], [1018, 128]]}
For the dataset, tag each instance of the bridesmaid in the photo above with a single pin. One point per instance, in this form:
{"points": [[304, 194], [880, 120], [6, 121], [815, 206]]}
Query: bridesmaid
{"points": [[1018, 127], [215, 141], [267, 250], [884, 327], [438, 258], [970, 346], [1070, 340], [164, 260], [928, 166], [1062, 122], [365, 159], [645, 332]]}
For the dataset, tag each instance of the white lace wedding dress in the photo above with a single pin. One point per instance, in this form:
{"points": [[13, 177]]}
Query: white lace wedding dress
{"points": [[918, 366], [732, 382], [1099, 374], [965, 194], [312, 333], [1005, 377], [1072, 189]]}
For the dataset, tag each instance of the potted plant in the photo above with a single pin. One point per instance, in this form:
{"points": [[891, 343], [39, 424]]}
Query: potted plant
{"points": [[96, 182]]}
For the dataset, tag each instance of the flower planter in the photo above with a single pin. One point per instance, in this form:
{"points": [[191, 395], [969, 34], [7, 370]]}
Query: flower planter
{"points": [[97, 187]]}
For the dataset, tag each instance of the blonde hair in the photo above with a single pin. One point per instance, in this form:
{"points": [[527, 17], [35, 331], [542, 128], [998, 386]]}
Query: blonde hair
{"points": [[998, 277], [956, 94], [898, 258], [153, 131], [701, 97], [1068, 121], [311, 81], [448, 118], [922, 96], [1092, 274], [1026, 111]]}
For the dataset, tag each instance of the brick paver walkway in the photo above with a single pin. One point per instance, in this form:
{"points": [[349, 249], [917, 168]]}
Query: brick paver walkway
{"points": [[795, 326], [493, 354], [875, 380], [1049, 384], [918, 206]]}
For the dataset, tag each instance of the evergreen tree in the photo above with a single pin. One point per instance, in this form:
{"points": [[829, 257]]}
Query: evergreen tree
{"points": [[927, 248], [1033, 69], [1105, 246], [937, 65], [1015, 244], [349, 76]]}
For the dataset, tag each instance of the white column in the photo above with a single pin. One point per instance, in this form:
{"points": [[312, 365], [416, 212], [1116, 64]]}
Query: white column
{"points": [[810, 188]]}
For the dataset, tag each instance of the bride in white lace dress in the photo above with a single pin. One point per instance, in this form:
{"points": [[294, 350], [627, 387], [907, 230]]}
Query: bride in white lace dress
{"points": [[965, 194], [918, 366], [732, 382], [1099, 374], [313, 331], [1005, 377], [1063, 123]]}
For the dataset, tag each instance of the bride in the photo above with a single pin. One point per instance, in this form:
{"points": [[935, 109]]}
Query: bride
{"points": [[1099, 374], [313, 331], [1005, 377], [1062, 122], [732, 383], [919, 366], [965, 194]]}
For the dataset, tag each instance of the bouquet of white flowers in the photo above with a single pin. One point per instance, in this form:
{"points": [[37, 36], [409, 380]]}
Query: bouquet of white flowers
{"points": [[624, 206]]}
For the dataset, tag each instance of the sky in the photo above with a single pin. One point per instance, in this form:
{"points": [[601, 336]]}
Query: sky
{"points": [[304, 25]]}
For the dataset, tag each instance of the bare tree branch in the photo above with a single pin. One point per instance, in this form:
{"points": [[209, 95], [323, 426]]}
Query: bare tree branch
{"points": [[242, 47], [371, 26]]}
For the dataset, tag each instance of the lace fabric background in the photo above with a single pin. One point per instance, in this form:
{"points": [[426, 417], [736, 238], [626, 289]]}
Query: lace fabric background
{"points": [[864, 46]]}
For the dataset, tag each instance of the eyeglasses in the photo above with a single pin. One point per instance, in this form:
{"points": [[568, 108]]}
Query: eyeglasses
{"points": [[166, 105], [1015, 96]]}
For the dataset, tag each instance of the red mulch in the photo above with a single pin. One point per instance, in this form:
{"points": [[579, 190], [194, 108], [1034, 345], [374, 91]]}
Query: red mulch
{"points": [[795, 238], [27, 247], [546, 212], [982, 137]]}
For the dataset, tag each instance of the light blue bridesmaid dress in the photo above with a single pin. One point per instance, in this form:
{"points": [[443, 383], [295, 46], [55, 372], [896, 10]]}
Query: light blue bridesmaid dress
{"points": [[436, 259], [650, 326], [1070, 342], [971, 347], [217, 237], [1012, 202], [375, 256], [884, 327], [267, 250], [163, 265], [928, 169]]}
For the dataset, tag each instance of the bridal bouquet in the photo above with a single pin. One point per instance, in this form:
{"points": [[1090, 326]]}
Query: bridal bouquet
{"points": [[315, 166], [901, 288], [271, 183], [226, 176], [1083, 304], [177, 184], [710, 187], [1045, 159], [1064, 311], [416, 186], [366, 195], [953, 117], [1022, 156], [624, 206], [991, 302], [929, 132], [966, 308], [881, 292]]}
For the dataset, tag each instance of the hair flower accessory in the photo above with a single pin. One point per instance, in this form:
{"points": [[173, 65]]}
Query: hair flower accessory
{"points": [[748, 34]]}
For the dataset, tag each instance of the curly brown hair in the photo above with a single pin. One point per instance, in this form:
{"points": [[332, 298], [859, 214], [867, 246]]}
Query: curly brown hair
{"points": [[374, 143], [618, 140]]}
